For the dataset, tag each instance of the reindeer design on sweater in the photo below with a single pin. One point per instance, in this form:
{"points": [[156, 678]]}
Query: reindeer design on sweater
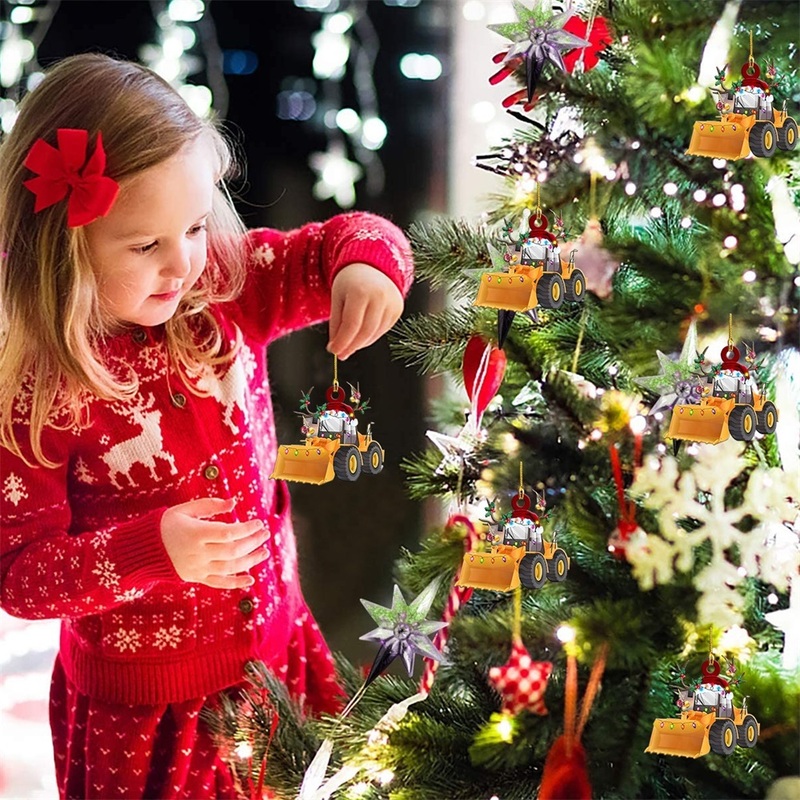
{"points": [[143, 448], [229, 389]]}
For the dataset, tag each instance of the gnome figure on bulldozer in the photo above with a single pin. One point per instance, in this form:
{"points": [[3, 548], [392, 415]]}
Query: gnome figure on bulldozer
{"points": [[748, 122]]}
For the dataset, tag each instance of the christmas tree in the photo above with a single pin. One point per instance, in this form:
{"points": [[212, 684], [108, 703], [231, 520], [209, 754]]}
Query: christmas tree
{"points": [[617, 456]]}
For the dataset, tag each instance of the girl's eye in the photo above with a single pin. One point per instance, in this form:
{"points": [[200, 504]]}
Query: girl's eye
{"points": [[144, 248], [198, 228]]}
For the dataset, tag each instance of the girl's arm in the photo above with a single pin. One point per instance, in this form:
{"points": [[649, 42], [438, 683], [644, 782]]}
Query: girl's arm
{"points": [[290, 273], [48, 572]]}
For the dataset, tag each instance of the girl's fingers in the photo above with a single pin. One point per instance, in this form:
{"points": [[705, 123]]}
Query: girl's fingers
{"points": [[205, 507], [223, 533], [234, 566], [236, 548], [351, 321], [368, 331], [228, 581]]}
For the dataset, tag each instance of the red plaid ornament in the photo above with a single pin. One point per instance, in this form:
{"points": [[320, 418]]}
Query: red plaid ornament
{"points": [[521, 681]]}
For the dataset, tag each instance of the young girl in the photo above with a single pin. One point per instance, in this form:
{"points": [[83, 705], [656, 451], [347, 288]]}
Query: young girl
{"points": [[136, 424]]}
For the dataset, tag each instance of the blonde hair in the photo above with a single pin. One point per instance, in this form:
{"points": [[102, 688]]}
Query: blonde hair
{"points": [[51, 322]]}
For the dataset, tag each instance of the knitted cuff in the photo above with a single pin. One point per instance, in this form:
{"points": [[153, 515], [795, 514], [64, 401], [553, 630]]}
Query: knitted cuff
{"points": [[382, 245], [139, 553]]}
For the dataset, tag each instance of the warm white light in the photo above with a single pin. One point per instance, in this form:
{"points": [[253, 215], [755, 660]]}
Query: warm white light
{"points": [[700, 195], [737, 188], [348, 120], [373, 133], [635, 145], [578, 158], [738, 202], [244, 750], [13, 54], [613, 370], [473, 10], [719, 163], [198, 98], [630, 188], [186, 10], [638, 424], [331, 52], [424, 67], [596, 435], [21, 14], [384, 777], [656, 212], [505, 729], [565, 633], [686, 222], [695, 94], [484, 111], [670, 188], [719, 200], [338, 23], [772, 598], [730, 242], [742, 572], [749, 276]]}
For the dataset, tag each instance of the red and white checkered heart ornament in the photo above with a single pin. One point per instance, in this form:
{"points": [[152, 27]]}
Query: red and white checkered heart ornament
{"points": [[521, 681]]}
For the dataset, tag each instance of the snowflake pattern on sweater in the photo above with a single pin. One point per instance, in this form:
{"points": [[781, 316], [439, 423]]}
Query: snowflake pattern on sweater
{"points": [[82, 541]]}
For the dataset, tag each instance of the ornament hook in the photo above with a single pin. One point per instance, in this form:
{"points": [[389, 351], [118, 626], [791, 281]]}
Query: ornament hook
{"points": [[335, 374]]}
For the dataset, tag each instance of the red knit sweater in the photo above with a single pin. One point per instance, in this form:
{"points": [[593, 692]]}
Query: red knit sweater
{"points": [[82, 541]]}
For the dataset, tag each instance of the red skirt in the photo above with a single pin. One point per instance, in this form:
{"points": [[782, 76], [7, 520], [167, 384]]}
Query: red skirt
{"points": [[108, 751]]}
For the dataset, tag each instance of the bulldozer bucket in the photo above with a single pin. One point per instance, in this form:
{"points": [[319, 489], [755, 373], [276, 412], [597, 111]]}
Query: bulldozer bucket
{"points": [[297, 462], [489, 571], [677, 737], [698, 424], [507, 291], [719, 140]]}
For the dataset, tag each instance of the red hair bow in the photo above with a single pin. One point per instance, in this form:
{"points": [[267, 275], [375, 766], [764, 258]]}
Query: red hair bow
{"points": [[67, 168]]}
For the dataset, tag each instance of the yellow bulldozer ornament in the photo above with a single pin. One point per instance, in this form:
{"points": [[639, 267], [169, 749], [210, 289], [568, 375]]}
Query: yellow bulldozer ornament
{"points": [[748, 122], [333, 447], [515, 554], [731, 406], [531, 274], [708, 722]]}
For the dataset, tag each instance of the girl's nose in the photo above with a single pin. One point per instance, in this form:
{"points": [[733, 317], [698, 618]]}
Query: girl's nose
{"points": [[179, 263]]}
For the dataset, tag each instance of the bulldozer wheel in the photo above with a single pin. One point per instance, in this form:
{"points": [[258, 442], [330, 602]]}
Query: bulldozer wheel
{"points": [[373, 459], [575, 287], [722, 737], [748, 732], [787, 134], [557, 567], [347, 464], [742, 423], [550, 290], [533, 571], [763, 139], [767, 418]]}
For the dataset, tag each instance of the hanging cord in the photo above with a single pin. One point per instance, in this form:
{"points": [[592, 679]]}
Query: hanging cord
{"points": [[335, 374], [521, 485], [573, 727]]}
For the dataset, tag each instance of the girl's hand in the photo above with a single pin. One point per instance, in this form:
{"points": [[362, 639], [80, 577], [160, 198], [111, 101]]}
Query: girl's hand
{"points": [[213, 553], [365, 304]]}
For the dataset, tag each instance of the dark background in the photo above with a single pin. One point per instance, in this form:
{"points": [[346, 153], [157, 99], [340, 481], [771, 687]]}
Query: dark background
{"points": [[349, 534]]}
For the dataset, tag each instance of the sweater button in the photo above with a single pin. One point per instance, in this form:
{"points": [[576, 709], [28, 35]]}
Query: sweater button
{"points": [[178, 400], [139, 336], [246, 605], [211, 472]]}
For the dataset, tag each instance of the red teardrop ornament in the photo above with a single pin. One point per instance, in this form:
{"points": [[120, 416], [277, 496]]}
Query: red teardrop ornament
{"points": [[495, 370], [564, 776]]}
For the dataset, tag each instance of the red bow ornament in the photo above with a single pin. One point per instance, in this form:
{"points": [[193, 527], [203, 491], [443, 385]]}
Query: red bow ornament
{"points": [[66, 170], [599, 38]]}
